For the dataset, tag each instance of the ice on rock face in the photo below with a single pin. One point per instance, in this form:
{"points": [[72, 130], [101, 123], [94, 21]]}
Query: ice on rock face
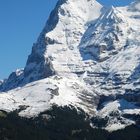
{"points": [[65, 55], [87, 56], [56, 48], [105, 37]]}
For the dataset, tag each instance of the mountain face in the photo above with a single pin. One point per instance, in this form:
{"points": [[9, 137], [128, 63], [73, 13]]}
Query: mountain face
{"points": [[87, 56]]}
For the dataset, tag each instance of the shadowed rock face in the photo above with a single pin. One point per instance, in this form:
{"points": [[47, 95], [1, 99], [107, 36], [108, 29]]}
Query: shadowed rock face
{"points": [[37, 66], [132, 95], [96, 60], [14, 80]]}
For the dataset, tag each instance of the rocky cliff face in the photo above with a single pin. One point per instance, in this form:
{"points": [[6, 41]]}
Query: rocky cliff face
{"points": [[56, 46], [87, 56]]}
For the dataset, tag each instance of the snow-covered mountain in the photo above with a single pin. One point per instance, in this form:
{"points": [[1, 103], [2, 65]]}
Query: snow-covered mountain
{"points": [[87, 56]]}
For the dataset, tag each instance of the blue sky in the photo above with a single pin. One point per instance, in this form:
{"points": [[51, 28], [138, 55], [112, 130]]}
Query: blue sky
{"points": [[21, 21], [115, 2]]}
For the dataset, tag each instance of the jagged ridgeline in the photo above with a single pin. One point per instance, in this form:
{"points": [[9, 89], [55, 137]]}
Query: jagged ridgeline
{"points": [[87, 58], [37, 66]]}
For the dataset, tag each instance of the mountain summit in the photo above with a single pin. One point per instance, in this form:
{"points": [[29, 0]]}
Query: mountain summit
{"points": [[87, 56], [61, 36]]}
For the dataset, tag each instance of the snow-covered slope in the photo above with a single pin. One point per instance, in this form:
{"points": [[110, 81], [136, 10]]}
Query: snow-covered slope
{"points": [[56, 48], [39, 96], [87, 56]]}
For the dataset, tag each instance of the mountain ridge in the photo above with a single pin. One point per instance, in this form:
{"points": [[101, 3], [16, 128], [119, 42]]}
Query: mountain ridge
{"points": [[84, 59], [37, 63]]}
